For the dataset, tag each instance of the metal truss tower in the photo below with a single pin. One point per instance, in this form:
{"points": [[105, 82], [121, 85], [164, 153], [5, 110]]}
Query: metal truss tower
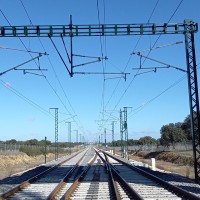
{"points": [[105, 139], [188, 28], [122, 133], [193, 96], [113, 136], [125, 126], [56, 133]]}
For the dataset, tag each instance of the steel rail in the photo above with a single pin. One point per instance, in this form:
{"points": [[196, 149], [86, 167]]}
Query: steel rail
{"points": [[72, 188], [121, 181], [115, 193], [178, 191], [32, 180], [64, 180]]}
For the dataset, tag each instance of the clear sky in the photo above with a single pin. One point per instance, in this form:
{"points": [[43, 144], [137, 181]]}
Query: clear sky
{"points": [[86, 100]]}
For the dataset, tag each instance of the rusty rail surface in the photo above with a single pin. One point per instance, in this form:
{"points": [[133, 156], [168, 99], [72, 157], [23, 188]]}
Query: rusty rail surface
{"points": [[32, 180], [64, 180], [178, 191], [73, 187]]}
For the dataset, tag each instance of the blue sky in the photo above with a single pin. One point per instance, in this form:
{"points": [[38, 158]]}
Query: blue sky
{"points": [[26, 99]]}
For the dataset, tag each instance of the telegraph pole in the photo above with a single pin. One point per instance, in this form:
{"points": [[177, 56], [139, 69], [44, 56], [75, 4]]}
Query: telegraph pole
{"points": [[113, 127], [45, 150], [69, 136], [76, 138], [56, 132], [121, 134], [99, 139], [126, 131], [105, 137], [80, 138]]}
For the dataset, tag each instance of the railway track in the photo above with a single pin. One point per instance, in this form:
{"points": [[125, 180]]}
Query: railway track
{"points": [[145, 185], [42, 184], [122, 181], [97, 175]]}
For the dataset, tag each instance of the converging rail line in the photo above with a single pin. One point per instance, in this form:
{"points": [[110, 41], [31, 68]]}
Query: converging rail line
{"points": [[144, 184], [95, 174], [41, 185]]}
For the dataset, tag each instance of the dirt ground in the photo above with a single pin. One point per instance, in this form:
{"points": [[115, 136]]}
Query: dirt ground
{"points": [[178, 167], [14, 162]]}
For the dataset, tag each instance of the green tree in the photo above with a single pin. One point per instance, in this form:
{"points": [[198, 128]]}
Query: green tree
{"points": [[12, 141], [186, 127], [42, 142], [32, 142], [171, 133], [147, 140], [133, 142]]}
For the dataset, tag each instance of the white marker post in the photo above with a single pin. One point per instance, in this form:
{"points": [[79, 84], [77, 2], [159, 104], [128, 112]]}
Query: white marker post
{"points": [[153, 164]]}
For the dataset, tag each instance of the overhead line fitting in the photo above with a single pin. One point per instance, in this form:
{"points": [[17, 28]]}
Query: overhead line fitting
{"points": [[28, 51], [165, 45], [25, 70], [98, 59], [155, 68]]}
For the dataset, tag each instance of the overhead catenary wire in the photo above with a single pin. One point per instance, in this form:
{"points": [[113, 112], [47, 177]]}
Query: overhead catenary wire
{"points": [[139, 108], [53, 71], [37, 65], [155, 6], [131, 55], [14, 49], [23, 97], [102, 55], [123, 94]]}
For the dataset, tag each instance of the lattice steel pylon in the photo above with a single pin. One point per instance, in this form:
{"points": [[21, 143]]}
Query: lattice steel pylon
{"points": [[188, 28], [193, 95], [125, 125], [122, 133], [113, 136], [56, 133]]}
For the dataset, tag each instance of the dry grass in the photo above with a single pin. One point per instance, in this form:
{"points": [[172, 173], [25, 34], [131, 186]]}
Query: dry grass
{"points": [[11, 163], [177, 167]]}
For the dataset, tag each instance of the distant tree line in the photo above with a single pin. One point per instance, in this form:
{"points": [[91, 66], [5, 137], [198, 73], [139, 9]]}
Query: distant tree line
{"points": [[36, 142], [169, 134]]}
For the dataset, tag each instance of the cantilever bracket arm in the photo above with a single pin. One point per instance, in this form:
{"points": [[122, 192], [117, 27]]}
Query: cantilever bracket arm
{"points": [[98, 59], [87, 63], [166, 65], [25, 72], [14, 68]]}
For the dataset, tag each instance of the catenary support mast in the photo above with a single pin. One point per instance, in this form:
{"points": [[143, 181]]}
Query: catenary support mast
{"points": [[193, 96]]}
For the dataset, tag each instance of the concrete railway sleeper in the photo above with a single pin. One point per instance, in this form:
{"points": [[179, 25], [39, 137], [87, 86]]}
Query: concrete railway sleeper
{"points": [[41, 185], [100, 181], [96, 182], [122, 188], [145, 184], [95, 174]]}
